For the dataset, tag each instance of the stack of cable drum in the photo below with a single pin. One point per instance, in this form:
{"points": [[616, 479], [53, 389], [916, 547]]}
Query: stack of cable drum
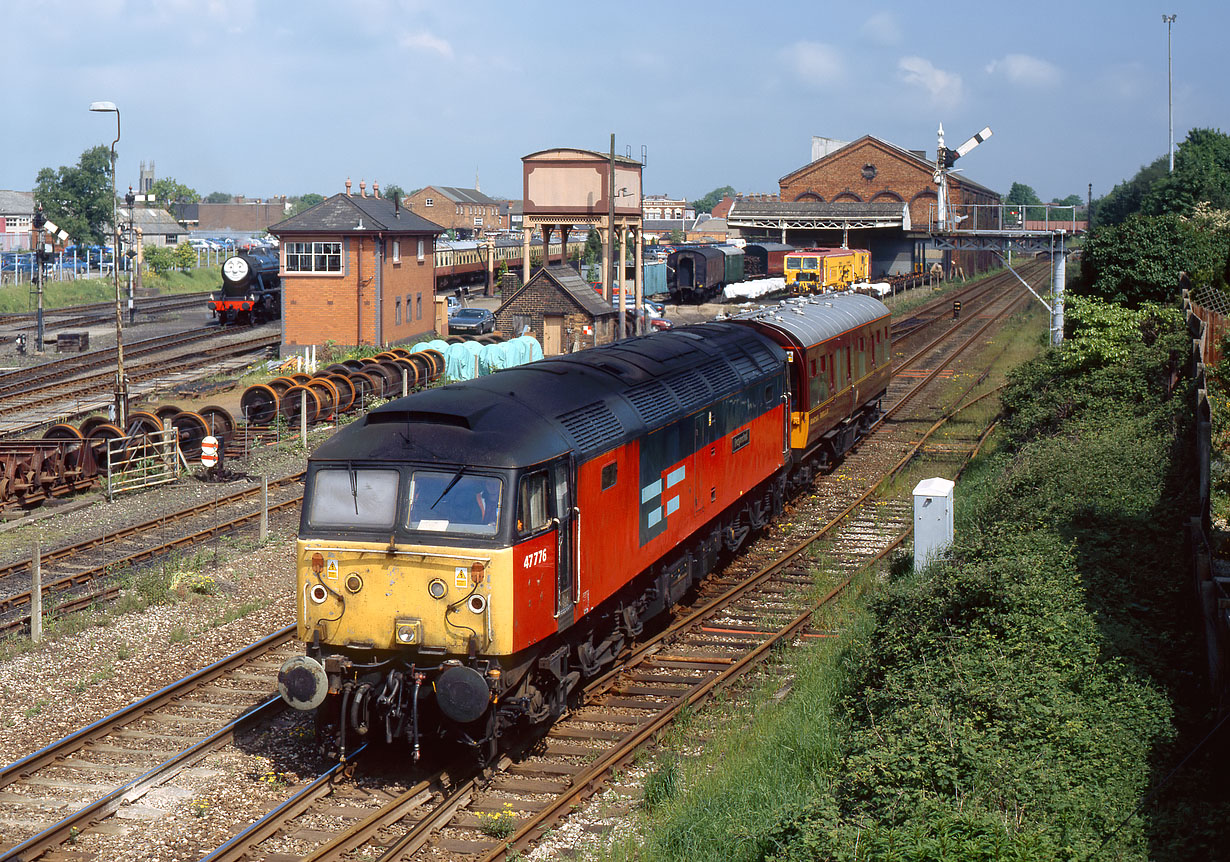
{"points": [[341, 387]]}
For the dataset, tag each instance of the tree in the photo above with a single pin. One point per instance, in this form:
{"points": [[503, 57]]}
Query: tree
{"points": [[1070, 201], [709, 201], [1201, 173], [184, 257], [169, 192], [78, 198], [219, 198], [1026, 199], [1139, 260], [304, 202], [160, 259], [394, 190], [676, 236], [1125, 198]]}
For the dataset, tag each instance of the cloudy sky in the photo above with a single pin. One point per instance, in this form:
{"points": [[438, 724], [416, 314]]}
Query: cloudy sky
{"points": [[268, 97]]}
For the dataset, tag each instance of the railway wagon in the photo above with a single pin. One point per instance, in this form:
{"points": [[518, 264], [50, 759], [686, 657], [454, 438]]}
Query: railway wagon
{"points": [[733, 271], [815, 270], [696, 273], [468, 554], [251, 289], [765, 259]]}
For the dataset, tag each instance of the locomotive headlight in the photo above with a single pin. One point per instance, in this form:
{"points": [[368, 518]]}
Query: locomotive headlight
{"points": [[477, 603], [437, 588], [318, 594], [408, 631], [353, 583]]}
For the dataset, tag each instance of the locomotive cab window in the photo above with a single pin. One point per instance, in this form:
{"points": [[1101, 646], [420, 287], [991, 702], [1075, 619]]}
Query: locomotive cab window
{"points": [[533, 504], [456, 503], [353, 498], [609, 475]]}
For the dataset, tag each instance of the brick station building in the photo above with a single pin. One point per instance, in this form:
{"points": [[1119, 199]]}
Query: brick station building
{"points": [[357, 269], [560, 309]]}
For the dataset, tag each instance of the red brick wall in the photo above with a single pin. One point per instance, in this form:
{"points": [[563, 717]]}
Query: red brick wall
{"points": [[444, 211], [317, 308]]}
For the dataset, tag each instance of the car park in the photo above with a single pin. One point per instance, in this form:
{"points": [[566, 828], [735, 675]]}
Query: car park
{"points": [[474, 321]]}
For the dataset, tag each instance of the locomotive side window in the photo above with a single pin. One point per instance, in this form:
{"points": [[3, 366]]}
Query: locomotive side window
{"points": [[360, 499], [532, 503], [609, 474]]}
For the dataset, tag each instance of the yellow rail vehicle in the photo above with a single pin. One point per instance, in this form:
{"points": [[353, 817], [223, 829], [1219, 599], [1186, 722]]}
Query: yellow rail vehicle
{"points": [[815, 270]]}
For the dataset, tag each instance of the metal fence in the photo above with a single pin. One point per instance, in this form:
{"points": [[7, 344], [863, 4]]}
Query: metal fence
{"points": [[1009, 218], [143, 461]]}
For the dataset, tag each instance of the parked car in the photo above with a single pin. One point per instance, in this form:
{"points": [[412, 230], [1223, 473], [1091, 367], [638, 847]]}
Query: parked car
{"points": [[454, 305], [471, 320], [653, 322]]}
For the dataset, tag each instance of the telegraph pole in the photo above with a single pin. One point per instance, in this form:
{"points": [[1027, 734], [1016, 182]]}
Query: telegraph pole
{"points": [[40, 222], [1170, 19]]}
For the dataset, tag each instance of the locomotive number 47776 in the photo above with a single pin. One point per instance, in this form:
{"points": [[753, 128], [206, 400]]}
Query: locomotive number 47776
{"points": [[499, 540]]}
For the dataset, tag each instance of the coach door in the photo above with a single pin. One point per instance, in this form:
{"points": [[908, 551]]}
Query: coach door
{"points": [[568, 526]]}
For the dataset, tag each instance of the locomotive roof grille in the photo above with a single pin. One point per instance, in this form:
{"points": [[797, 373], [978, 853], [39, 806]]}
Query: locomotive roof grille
{"points": [[592, 426], [653, 401], [721, 377], [690, 388]]}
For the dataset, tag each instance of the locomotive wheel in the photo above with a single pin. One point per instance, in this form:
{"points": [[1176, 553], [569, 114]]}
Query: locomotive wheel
{"points": [[399, 352], [328, 395], [192, 429], [455, 339], [92, 422], [62, 431], [438, 359], [281, 384], [364, 388], [259, 404], [143, 422], [345, 391], [338, 368], [99, 436], [220, 421], [353, 364], [390, 376], [300, 378], [412, 372], [165, 412], [292, 403]]}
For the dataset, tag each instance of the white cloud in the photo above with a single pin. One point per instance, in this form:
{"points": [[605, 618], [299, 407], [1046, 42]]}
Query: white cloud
{"points": [[883, 29], [945, 88], [1025, 70], [424, 41], [814, 63]]}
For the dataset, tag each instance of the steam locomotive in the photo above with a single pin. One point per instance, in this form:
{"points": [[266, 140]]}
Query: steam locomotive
{"points": [[251, 289]]}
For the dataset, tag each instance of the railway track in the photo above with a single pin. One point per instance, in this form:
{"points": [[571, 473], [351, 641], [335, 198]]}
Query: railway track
{"points": [[739, 616], [78, 572], [732, 627], [98, 312], [85, 777]]}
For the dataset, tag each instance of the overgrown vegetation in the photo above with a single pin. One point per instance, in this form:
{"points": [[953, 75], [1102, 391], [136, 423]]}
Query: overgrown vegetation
{"points": [[83, 291], [1021, 699]]}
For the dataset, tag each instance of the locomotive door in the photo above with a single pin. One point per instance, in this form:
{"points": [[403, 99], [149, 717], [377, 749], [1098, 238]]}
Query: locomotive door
{"points": [[566, 538]]}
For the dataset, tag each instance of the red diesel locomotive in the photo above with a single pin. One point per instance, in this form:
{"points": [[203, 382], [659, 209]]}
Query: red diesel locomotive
{"points": [[468, 554]]}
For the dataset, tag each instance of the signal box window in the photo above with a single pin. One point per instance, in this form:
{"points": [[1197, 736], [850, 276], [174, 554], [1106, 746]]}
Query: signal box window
{"points": [[313, 257], [355, 499], [533, 504]]}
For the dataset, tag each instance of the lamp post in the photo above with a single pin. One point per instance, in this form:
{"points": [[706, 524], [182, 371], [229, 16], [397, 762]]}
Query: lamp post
{"points": [[121, 385], [1168, 20]]}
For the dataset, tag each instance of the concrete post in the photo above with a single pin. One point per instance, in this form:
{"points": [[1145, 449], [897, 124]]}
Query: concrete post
{"points": [[1059, 275], [639, 275], [303, 416], [264, 531], [525, 254], [36, 595]]}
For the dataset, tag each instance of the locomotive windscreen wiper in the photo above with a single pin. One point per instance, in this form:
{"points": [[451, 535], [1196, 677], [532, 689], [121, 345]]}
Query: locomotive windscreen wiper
{"points": [[354, 485], [456, 478]]}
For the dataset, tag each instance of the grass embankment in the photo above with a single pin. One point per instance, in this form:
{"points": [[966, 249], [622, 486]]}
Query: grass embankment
{"points": [[1017, 700], [83, 291]]}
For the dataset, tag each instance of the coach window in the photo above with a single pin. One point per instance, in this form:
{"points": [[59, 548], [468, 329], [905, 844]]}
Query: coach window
{"points": [[609, 475], [532, 503]]}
